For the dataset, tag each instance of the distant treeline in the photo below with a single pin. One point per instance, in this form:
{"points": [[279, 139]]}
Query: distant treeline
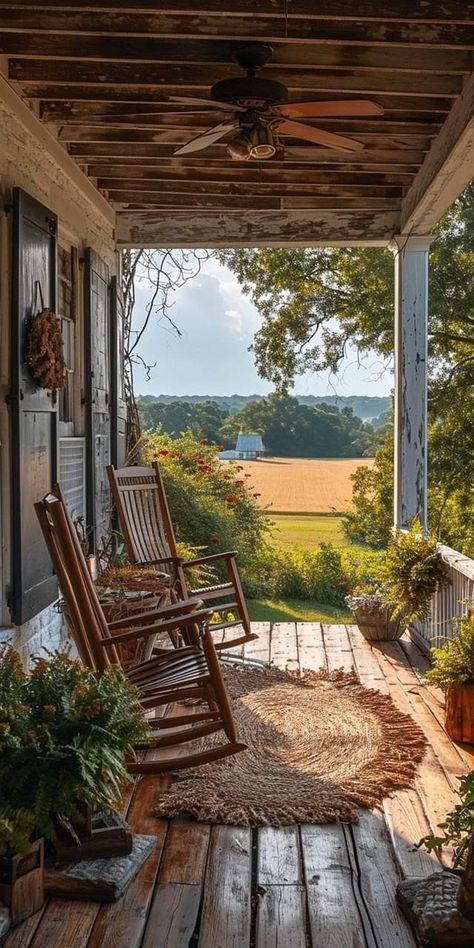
{"points": [[363, 406], [288, 428]]}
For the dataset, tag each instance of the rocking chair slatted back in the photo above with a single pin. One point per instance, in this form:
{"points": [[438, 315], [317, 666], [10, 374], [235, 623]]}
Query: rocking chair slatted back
{"points": [[76, 583], [148, 534]]}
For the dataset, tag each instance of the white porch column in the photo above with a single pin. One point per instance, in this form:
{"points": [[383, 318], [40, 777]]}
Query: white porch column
{"points": [[411, 402]]}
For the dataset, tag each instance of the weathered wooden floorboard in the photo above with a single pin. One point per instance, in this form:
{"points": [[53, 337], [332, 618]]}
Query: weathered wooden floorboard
{"points": [[334, 917], [366, 665], [259, 649], [279, 860], [377, 881], [226, 910], [311, 651], [448, 754], [436, 791], [121, 924], [281, 917], [65, 923], [284, 645], [338, 648], [407, 824], [173, 916]]}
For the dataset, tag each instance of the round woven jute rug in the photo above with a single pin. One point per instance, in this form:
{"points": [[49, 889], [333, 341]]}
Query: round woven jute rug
{"points": [[318, 747]]}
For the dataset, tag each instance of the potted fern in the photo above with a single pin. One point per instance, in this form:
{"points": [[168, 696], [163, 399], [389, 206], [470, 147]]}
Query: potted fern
{"points": [[64, 735], [453, 671], [21, 864], [400, 591]]}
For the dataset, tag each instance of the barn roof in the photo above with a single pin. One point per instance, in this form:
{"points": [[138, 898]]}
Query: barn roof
{"points": [[249, 443]]}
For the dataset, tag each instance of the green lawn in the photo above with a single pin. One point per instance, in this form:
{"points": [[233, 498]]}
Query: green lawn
{"points": [[307, 530], [295, 610]]}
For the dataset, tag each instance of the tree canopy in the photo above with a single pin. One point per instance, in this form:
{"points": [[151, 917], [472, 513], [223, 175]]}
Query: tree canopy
{"points": [[314, 302]]}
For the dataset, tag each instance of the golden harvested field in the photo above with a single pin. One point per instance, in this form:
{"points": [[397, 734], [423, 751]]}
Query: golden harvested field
{"points": [[299, 485]]}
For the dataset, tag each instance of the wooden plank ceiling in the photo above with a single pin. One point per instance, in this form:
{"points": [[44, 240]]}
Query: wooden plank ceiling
{"points": [[100, 75]]}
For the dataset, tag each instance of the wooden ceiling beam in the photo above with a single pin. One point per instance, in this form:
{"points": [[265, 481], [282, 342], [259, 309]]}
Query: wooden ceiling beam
{"points": [[212, 174], [295, 157], [252, 202], [174, 137], [175, 76], [141, 96], [219, 54], [271, 29], [215, 229], [243, 188], [110, 116], [420, 11]]}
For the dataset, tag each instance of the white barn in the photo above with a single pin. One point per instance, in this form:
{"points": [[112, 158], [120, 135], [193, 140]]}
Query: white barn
{"points": [[249, 447]]}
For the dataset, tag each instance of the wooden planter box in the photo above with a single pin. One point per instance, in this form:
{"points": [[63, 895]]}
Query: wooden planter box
{"points": [[99, 836], [22, 883], [376, 625], [459, 715]]}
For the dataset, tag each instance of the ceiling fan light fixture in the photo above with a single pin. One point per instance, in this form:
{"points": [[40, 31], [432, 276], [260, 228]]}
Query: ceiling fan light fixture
{"points": [[263, 145], [240, 147]]}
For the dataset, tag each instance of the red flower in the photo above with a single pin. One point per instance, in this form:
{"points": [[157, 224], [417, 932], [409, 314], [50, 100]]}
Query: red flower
{"points": [[204, 441], [231, 499], [163, 453], [239, 483], [214, 540]]}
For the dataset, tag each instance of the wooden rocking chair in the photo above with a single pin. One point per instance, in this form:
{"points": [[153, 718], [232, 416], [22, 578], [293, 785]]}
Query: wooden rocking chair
{"points": [[174, 675], [145, 521]]}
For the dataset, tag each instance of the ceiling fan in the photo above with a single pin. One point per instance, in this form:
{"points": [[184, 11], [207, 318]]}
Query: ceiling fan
{"points": [[260, 113]]}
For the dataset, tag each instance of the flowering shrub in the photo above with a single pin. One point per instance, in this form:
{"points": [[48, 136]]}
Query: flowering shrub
{"points": [[64, 732], [212, 511]]}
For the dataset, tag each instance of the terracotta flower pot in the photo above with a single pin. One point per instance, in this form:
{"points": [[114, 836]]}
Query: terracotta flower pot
{"points": [[459, 715], [376, 624], [22, 883]]}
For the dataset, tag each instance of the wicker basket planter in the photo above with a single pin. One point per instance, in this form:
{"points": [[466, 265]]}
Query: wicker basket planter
{"points": [[374, 619]]}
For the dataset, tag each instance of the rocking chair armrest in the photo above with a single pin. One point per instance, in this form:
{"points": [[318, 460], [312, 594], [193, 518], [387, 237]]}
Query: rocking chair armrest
{"points": [[177, 609], [164, 559], [228, 555], [145, 631]]}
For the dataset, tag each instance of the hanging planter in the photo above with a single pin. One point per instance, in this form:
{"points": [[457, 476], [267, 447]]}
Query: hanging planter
{"points": [[44, 352]]}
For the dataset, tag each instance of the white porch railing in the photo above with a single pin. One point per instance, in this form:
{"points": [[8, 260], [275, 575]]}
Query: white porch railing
{"points": [[451, 601]]}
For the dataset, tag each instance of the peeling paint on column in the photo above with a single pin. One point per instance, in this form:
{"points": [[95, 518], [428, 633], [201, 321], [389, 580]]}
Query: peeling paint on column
{"points": [[411, 302]]}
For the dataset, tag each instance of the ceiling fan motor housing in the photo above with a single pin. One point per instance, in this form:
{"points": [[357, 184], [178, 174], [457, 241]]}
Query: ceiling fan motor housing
{"points": [[250, 92]]}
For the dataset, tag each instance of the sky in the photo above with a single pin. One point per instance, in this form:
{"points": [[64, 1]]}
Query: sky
{"points": [[218, 323]]}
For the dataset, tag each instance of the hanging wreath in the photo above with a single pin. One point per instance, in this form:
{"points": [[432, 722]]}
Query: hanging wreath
{"points": [[45, 351]]}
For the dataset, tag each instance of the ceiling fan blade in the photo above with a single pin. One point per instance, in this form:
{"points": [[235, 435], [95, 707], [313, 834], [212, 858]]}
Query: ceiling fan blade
{"points": [[298, 130], [206, 138], [211, 103], [318, 109]]}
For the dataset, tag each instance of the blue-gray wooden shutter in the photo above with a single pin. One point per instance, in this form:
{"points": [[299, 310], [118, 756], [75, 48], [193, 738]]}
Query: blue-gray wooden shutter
{"points": [[97, 364], [33, 410]]}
